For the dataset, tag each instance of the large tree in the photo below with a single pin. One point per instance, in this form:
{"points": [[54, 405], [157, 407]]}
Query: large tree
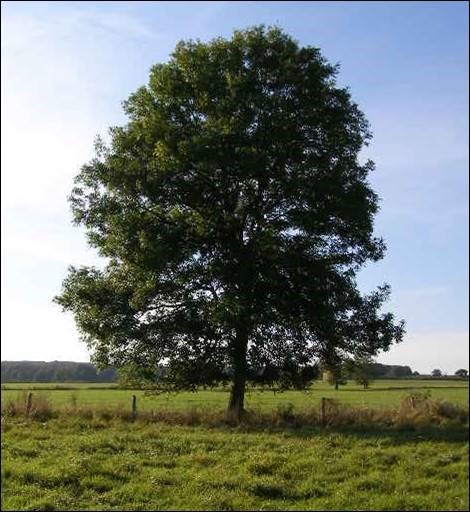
{"points": [[234, 214]]}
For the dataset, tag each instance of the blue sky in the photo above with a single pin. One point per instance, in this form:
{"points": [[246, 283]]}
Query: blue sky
{"points": [[66, 67]]}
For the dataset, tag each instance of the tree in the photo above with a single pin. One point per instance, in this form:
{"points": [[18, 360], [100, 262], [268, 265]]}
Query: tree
{"points": [[462, 373], [436, 373], [363, 371], [234, 215], [338, 373], [400, 371]]}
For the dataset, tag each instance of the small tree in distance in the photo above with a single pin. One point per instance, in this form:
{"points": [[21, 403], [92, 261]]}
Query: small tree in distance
{"points": [[363, 371], [436, 373], [462, 373], [338, 371], [234, 214], [337, 377]]}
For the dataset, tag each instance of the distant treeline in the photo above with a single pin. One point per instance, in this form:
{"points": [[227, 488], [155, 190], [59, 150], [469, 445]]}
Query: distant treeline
{"points": [[384, 371], [54, 371], [68, 371]]}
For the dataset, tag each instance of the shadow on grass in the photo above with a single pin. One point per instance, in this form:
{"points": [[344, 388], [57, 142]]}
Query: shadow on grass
{"points": [[393, 435], [396, 436]]}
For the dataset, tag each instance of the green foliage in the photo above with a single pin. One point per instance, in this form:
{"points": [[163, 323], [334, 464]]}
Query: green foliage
{"points": [[436, 373], [392, 371], [338, 369], [129, 377], [338, 376], [363, 371], [462, 372], [234, 214]]}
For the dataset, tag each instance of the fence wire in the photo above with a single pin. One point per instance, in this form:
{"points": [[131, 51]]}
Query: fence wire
{"points": [[377, 396]]}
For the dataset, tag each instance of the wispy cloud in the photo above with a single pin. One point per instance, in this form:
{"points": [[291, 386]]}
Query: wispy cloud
{"points": [[122, 24], [23, 29]]}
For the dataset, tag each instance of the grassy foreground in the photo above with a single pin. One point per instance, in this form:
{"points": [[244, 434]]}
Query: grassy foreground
{"points": [[392, 447], [73, 463]]}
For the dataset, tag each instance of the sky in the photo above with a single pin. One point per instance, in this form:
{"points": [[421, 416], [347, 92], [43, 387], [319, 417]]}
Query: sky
{"points": [[67, 66]]}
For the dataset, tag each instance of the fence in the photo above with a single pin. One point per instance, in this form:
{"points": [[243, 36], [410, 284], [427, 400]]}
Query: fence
{"points": [[29, 406], [255, 399]]}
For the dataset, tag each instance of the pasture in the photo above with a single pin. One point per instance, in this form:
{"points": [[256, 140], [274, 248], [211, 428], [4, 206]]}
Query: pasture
{"points": [[71, 462], [382, 393]]}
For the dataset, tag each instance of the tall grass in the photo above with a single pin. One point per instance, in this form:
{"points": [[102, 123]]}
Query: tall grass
{"points": [[417, 410]]}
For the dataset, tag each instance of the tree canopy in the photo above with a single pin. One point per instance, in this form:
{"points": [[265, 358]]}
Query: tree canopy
{"points": [[234, 214]]}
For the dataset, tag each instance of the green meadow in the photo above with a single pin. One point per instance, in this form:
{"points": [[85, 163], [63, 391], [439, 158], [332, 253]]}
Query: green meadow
{"points": [[72, 462]]}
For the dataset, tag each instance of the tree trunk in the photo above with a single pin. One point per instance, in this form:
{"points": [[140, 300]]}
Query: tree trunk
{"points": [[237, 393], [336, 385]]}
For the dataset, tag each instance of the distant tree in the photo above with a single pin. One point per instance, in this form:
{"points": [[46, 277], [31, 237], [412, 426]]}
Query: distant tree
{"points": [[436, 373], [391, 371], [363, 371], [462, 373], [403, 371], [235, 214], [415, 374], [60, 375], [338, 369], [337, 377]]}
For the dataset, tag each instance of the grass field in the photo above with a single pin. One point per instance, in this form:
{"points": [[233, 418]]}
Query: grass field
{"points": [[383, 393], [71, 462], [76, 464]]}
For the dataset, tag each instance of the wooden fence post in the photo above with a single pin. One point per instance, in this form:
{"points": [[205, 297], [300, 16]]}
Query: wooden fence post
{"points": [[29, 402], [134, 405], [323, 416]]}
